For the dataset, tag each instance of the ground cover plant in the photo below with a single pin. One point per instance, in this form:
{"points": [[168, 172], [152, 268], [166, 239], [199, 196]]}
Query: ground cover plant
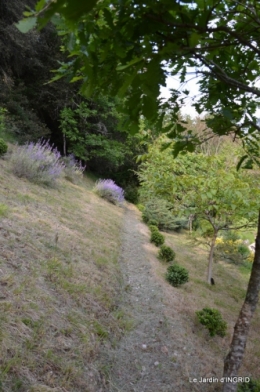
{"points": [[38, 162], [59, 284], [108, 190]]}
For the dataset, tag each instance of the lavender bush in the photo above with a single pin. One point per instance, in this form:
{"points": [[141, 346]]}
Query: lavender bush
{"points": [[38, 162], [73, 169], [109, 191]]}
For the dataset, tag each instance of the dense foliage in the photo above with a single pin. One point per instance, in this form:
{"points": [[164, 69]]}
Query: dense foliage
{"points": [[251, 386], [131, 43], [166, 253], [157, 238], [177, 275], [3, 147], [212, 320], [198, 191]]}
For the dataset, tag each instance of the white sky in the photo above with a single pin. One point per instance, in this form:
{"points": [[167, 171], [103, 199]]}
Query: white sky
{"points": [[190, 85]]}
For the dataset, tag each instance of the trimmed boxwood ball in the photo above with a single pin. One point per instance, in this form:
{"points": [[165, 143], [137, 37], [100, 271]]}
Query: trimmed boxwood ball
{"points": [[212, 320], [157, 238], [166, 253], [3, 147], [177, 275]]}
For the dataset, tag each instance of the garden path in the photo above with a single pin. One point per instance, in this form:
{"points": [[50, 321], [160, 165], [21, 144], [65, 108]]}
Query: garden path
{"points": [[160, 353]]}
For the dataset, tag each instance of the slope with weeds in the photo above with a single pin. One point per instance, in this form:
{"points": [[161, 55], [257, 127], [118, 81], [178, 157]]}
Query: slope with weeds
{"points": [[168, 348], [58, 284]]}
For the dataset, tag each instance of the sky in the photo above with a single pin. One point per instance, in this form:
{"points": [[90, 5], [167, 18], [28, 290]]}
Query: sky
{"points": [[191, 85]]}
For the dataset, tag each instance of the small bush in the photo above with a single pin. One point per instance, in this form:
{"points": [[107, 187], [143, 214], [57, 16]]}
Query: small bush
{"points": [[166, 253], [161, 211], [234, 251], [153, 222], [108, 190], [131, 193], [3, 147], [140, 207], [153, 228], [212, 320], [177, 275], [39, 162], [157, 238], [73, 169], [251, 386]]}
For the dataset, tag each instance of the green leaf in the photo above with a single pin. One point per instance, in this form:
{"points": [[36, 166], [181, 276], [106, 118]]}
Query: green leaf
{"points": [[149, 107], [39, 6], [26, 25], [194, 39], [76, 8], [241, 161], [27, 13], [76, 78], [134, 61]]}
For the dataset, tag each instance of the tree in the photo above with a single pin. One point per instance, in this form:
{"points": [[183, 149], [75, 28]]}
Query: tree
{"points": [[128, 48], [205, 187]]}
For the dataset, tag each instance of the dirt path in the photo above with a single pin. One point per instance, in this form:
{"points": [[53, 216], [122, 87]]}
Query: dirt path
{"points": [[158, 354]]}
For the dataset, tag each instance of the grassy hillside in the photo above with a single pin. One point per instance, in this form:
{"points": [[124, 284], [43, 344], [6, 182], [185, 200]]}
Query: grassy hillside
{"points": [[227, 295], [60, 289], [59, 281]]}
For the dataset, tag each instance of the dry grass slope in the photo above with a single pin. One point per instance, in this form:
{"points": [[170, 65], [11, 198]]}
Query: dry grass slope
{"points": [[227, 296], [59, 281]]}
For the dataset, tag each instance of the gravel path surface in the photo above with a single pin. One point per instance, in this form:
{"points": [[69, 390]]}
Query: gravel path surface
{"points": [[158, 354]]}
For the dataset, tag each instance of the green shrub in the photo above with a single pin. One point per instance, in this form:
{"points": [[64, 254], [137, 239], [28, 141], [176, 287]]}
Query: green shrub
{"points": [[251, 386], [3, 147], [177, 275], [153, 228], [153, 222], [161, 211], [166, 253], [212, 320], [243, 250], [157, 238], [233, 251], [140, 207], [131, 194]]}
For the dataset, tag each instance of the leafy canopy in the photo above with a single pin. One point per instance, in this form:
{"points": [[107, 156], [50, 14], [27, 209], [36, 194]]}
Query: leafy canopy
{"points": [[206, 186], [129, 47]]}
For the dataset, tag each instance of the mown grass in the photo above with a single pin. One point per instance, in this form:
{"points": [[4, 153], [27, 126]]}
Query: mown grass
{"points": [[227, 295], [59, 282]]}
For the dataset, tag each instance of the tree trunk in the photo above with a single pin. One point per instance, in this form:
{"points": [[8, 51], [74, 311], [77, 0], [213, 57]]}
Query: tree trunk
{"points": [[212, 246], [64, 145], [191, 218], [234, 358]]}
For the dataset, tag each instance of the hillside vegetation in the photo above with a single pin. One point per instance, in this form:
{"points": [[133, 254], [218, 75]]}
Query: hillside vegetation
{"points": [[61, 308], [59, 282]]}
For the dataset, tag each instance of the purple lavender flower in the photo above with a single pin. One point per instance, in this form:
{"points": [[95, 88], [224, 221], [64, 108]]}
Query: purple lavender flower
{"points": [[110, 191], [39, 162]]}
